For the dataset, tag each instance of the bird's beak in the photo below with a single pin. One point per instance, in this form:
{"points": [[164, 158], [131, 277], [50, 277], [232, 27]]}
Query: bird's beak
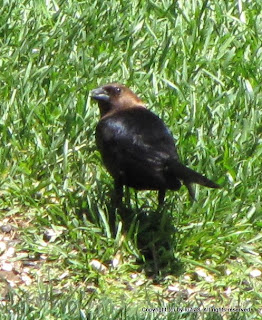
{"points": [[100, 94]]}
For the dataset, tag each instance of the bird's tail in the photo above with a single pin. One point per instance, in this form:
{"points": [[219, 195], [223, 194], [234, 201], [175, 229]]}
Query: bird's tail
{"points": [[189, 176]]}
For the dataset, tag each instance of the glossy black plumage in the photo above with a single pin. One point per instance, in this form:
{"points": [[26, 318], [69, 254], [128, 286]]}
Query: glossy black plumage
{"points": [[136, 147]]}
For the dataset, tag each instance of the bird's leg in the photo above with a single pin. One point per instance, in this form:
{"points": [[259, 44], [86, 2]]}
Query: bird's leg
{"points": [[118, 194], [116, 204], [161, 197], [190, 190], [127, 197]]}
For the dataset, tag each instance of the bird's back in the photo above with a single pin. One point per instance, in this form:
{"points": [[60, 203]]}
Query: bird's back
{"points": [[136, 146]]}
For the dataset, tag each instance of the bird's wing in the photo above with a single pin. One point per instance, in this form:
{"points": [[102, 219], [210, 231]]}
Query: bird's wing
{"points": [[135, 141]]}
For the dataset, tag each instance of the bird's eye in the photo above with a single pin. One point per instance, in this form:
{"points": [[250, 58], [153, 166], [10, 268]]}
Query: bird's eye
{"points": [[117, 90]]}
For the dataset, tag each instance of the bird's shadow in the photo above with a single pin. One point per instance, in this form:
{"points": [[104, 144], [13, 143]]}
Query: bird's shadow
{"points": [[155, 237], [150, 230]]}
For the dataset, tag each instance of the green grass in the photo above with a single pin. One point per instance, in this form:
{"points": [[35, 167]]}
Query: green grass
{"points": [[197, 65]]}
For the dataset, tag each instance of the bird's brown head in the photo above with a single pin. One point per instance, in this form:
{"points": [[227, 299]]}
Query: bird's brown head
{"points": [[114, 96]]}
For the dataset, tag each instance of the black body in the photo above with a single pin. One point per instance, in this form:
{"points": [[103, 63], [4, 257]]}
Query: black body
{"points": [[139, 151]]}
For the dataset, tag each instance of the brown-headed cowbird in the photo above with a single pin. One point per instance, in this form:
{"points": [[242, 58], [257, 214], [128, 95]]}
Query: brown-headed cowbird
{"points": [[136, 147]]}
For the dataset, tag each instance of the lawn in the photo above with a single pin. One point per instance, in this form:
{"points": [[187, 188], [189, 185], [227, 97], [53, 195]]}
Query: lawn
{"points": [[65, 251]]}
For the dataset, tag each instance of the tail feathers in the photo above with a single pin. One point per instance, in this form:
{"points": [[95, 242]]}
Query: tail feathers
{"points": [[189, 176]]}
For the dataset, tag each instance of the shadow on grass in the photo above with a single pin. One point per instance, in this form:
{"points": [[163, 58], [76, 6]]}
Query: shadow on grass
{"points": [[150, 231], [155, 239]]}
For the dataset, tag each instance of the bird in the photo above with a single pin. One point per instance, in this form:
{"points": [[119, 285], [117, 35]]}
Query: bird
{"points": [[136, 146]]}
